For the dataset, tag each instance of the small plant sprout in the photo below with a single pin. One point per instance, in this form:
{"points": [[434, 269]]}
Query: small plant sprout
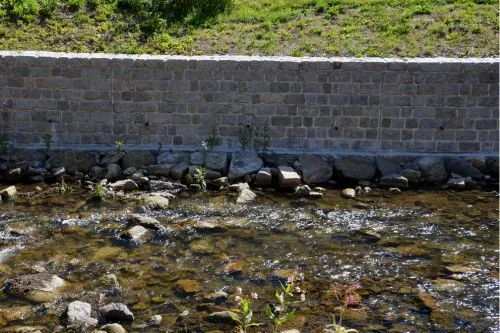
{"points": [[199, 177], [119, 147], [98, 192], [243, 315], [212, 141], [47, 139], [278, 314]]}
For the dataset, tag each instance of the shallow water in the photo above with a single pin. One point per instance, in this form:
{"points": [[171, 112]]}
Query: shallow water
{"points": [[441, 245]]}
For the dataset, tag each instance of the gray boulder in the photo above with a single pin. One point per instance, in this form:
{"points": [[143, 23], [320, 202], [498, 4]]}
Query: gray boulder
{"points": [[137, 158], [387, 166], [246, 196], [37, 288], [72, 160], [172, 158], [433, 169], [159, 185], [179, 170], [349, 193], [355, 168], [462, 167], [413, 176], [116, 312], [123, 185], [160, 169], [315, 170], [79, 315], [456, 183], [136, 234], [213, 161], [264, 177], [97, 172], [244, 163], [156, 202], [111, 158], [147, 222], [113, 172], [394, 180], [287, 177]]}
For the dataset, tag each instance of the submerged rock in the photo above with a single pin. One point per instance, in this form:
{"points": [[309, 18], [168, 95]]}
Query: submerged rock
{"points": [[79, 315], [187, 286], [220, 317], [116, 311], [246, 196], [113, 328], [136, 234], [38, 288], [349, 193], [156, 202]]}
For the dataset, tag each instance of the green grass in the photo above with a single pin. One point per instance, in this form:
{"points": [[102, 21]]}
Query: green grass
{"points": [[409, 28]]}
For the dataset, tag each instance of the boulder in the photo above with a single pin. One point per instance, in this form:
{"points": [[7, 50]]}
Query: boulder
{"points": [[8, 193], [462, 167], [355, 168], [179, 170], [387, 166], [413, 176], [111, 158], [187, 286], [116, 312], [456, 183], [314, 169], [145, 221], [57, 172], [172, 158], [491, 166], [156, 202], [246, 196], [130, 171], [349, 193], [97, 172], [213, 160], [123, 185], [244, 163], [160, 169], [220, 317], [72, 160], [432, 169], [8, 252], [264, 177], [287, 177], [13, 175], [394, 180], [79, 315], [137, 158], [113, 172]]}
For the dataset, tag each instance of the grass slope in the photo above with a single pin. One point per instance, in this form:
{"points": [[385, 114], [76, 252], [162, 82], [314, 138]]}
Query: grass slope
{"points": [[409, 28]]}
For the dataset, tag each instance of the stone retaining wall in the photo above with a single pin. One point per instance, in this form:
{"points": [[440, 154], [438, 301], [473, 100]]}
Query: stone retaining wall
{"points": [[334, 104]]}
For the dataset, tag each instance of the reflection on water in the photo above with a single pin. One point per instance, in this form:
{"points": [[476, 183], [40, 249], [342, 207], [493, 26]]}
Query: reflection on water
{"points": [[402, 249]]}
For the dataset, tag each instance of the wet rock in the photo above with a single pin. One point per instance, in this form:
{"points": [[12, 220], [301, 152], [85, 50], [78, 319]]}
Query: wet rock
{"points": [[111, 285], [23, 329], [79, 315], [238, 187], [137, 158], [221, 182], [179, 170], [287, 177], [244, 163], [72, 160], [432, 169], [116, 312], [160, 169], [303, 190], [447, 285], [456, 183], [246, 196], [355, 168], [187, 286], [462, 269], [57, 172], [220, 317], [8, 193], [349, 193], [413, 176], [172, 187], [97, 172], [211, 160], [388, 166], [38, 288], [129, 171], [155, 320], [113, 172], [16, 313], [136, 234], [393, 180], [315, 195], [355, 315], [215, 297], [291, 331], [234, 268], [282, 275], [8, 252], [123, 185], [145, 221], [462, 167], [202, 246], [156, 202], [113, 328], [427, 300], [264, 177], [315, 170]]}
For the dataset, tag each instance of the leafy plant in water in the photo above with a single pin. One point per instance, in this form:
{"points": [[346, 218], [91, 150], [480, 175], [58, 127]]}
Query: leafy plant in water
{"points": [[278, 314], [199, 177], [98, 192], [119, 147], [47, 140], [243, 316], [347, 297]]}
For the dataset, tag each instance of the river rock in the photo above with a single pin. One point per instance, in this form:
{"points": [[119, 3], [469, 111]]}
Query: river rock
{"points": [[116, 312], [220, 317], [263, 177], [113, 328], [393, 180], [303, 190], [315, 170], [145, 221], [213, 161], [16, 313], [156, 202], [433, 169], [187, 286], [287, 177], [8, 193], [349, 193], [355, 168], [221, 182], [123, 185], [238, 187], [72, 160], [456, 183], [8, 252], [387, 166], [129, 171], [244, 163], [246, 196], [160, 169], [172, 187], [215, 297], [413, 176], [137, 158], [79, 315], [97, 172], [136, 234], [38, 288], [462, 167], [113, 172], [155, 320], [179, 170]]}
